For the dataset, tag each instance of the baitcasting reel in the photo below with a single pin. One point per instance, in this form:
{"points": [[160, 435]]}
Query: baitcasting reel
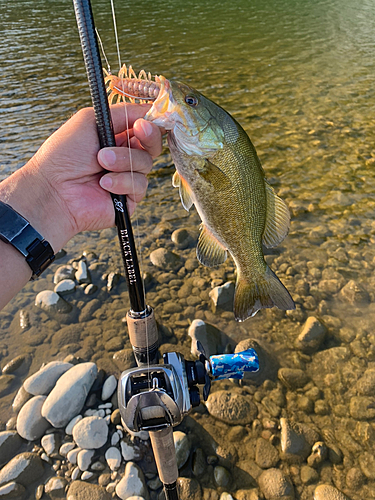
{"points": [[158, 396]]}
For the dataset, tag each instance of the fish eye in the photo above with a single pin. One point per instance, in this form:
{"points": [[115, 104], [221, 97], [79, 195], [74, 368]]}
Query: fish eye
{"points": [[191, 100]]}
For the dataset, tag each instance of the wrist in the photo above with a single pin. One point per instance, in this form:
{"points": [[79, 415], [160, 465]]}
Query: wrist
{"points": [[30, 195]]}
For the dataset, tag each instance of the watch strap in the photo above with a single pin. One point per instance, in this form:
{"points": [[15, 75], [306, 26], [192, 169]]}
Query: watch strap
{"points": [[17, 231]]}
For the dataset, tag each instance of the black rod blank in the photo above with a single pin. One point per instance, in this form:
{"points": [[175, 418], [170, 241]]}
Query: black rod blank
{"points": [[99, 98]]}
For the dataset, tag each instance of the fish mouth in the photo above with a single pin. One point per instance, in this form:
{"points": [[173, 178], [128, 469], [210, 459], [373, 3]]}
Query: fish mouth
{"points": [[165, 111]]}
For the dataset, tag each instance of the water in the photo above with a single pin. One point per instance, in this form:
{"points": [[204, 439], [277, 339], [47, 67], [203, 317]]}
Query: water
{"points": [[299, 78]]}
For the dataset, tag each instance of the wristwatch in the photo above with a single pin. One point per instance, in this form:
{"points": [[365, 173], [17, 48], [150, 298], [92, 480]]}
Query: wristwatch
{"points": [[17, 231]]}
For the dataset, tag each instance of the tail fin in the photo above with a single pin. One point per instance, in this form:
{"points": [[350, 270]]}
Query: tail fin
{"points": [[268, 291]]}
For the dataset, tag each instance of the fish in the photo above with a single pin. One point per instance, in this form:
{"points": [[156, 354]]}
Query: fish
{"points": [[219, 172]]}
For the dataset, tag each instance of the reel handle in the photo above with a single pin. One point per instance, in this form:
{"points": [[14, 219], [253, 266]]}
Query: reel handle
{"points": [[234, 365]]}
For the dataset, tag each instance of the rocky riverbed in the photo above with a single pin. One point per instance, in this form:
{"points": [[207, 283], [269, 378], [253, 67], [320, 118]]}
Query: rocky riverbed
{"points": [[303, 427]]}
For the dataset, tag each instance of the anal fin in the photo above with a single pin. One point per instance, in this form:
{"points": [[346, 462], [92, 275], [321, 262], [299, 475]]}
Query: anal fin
{"points": [[277, 219], [210, 252]]}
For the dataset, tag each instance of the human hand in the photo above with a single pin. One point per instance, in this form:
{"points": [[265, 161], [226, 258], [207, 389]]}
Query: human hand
{"points": [[66, 174]]}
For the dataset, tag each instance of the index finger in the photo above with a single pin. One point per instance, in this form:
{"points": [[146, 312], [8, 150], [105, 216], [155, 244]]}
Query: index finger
{"points": [[124, 115]]}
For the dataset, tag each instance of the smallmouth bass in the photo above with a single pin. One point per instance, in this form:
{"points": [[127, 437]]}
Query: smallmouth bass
{"points": [[218, 170]]}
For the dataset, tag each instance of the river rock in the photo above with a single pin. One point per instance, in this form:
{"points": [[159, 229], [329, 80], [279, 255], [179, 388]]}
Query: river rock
{"points": [[182, 238], [24, 468], [266, 455], [10, 441], [113, 458], [208, 335], [189, 488], [182, 447], [133, 483], [80, 490], [293, 378], [12, 490], [30, 423], [62, 273], [360, 408], [275, 485], [109, 387], [294, 446], [231, 407], [366, 384], [129, 451], [20, 399], [268, 363], [112, 280], [55, 487], [69, 394], [91, 432], [82, 274], [65, 287], [124, 359], [72, 423], [51, 443], [42, 382], [222, 297], [165, 259], [88, 310], [367, 464], [84, 458], [312, 335], [52, 302], [20, 363], [327, 492], [221, 476], [354, 293]]}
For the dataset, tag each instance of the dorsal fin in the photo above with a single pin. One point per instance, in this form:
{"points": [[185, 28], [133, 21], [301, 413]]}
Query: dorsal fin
{"points": [[277, 219], [210, 252], [185, 191]]}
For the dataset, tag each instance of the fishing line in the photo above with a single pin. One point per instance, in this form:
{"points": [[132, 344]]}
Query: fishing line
{"points": [[132, 178]]}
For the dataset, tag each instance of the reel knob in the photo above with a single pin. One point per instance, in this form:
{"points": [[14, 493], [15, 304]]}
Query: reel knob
{"points": [[234, 365]]}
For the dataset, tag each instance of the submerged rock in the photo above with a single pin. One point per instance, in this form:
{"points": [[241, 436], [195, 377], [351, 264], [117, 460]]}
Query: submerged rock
{"points": [[52, 302], [222, 297], [231, 407], [275, 485], [312, 335], [328, 492], [165, 259]]}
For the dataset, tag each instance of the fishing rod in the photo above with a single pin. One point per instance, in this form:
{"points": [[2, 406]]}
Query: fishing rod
{"points": [[141, 322], [153, 397]]}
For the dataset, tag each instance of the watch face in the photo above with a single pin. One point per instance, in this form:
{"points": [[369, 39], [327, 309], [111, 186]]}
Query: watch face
{"points": [[11, 223]]}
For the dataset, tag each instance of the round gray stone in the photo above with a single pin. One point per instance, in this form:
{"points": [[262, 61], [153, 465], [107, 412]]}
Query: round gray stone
{"points": [[65, 287], [55, 487], [311, 336], [90, 433], [165, 259]]}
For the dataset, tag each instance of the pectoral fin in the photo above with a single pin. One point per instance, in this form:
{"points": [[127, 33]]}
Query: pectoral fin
{"points": [[214, 176], [185, 192], [210, 252], [277, 219]]}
